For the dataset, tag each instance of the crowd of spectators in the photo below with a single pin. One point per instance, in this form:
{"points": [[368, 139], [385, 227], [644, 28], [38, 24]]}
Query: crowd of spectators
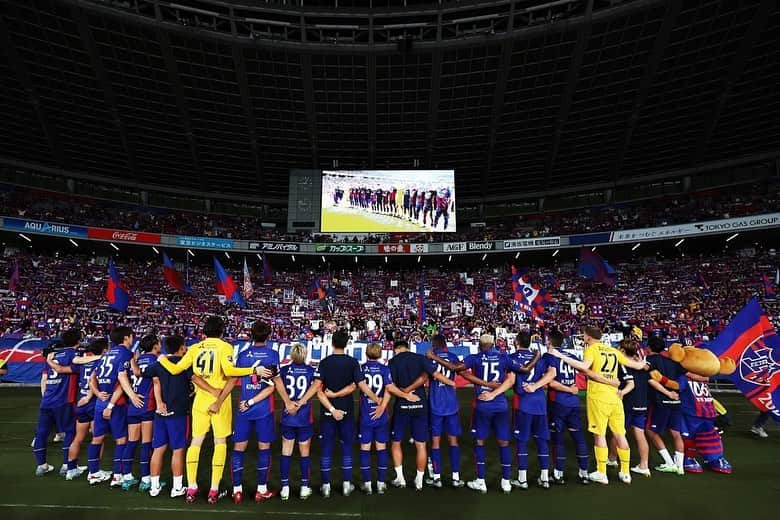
{"points": [[744, 200], [685, 298]]}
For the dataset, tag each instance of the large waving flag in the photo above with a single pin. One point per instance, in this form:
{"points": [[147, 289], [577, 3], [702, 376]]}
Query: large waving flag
{"points": [[13, 280], [226, 286], [248, 289], [460, 288], [750, 341], [172, 276], [592, 266], [116, 292], [530, 298]]}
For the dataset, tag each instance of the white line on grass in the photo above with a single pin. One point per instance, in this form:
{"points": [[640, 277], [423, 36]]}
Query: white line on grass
{"points": [[178, 510]]}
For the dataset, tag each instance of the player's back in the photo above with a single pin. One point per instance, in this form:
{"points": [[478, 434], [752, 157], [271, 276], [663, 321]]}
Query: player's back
{"points": [[254, 356], [566, 375], [377, 377], [143, 386], [206, 357], [297, 379], [490, 366], [60, 388], [606, 360], [115, 361], [443, 398], [84, 375]]}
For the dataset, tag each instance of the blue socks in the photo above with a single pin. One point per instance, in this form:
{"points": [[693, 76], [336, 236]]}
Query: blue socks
{"points": [[325, 469], [522, 455], [479, 456], [146, 455], [365, 465], [581, 449], [284, 470], [305, 470], [129, 456], [263, 466], [505, 456], [119, 452], [93, 458], [237, 466], [346, 463], [436, 460], [455, 458], [543, 452], [381, 465]]}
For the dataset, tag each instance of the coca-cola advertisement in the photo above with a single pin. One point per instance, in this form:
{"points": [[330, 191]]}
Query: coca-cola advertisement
{"points": [[118, 235]]}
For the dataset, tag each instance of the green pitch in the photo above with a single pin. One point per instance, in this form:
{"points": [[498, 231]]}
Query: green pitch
{"points": [[749, 493], [351, 220]]}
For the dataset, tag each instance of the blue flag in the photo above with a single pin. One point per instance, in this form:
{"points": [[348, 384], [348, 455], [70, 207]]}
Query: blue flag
{"points": [[592, 266]]}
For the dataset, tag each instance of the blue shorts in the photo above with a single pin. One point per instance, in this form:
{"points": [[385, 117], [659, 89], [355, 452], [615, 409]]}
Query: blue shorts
{"points": [[297, 433], [116, 425], [62, 417], [450, 423], [692, 425], [564, 418], [332, 431], [662, 418], [86, 413], [374, 433], [528, 425], [146, 416], [172, 431], [483, 422], [263, 427], [417, 424], [636, 419]]}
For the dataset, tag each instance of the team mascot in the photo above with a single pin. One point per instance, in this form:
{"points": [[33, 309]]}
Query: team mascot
{"points": [[696, 403]]}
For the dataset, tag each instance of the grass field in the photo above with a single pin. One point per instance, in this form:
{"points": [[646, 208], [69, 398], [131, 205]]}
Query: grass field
{"points": [[344, 219], [749, 493]]}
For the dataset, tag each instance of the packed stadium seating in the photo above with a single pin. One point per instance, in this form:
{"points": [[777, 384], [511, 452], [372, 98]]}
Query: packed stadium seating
{"points": [[681, 298]]}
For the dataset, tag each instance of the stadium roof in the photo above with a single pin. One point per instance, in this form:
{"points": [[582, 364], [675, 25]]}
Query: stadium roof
{"points": [[517, 96]]}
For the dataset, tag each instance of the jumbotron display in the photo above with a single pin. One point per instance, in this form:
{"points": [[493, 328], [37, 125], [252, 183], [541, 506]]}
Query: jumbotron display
{"points": [[386, 201]]}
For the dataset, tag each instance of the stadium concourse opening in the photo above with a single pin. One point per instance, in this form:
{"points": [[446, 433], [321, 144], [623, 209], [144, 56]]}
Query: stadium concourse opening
{"points": [[381, 259]]}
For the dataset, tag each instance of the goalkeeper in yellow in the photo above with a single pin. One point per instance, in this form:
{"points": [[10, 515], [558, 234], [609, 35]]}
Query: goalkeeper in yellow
{"points": [[600, 363], [211, 360]]}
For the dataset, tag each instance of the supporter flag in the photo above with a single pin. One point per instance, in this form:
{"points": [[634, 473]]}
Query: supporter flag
{"points": [[750, 341], [172, 276], [421, 315], [13, 280], [769, 287], [116, 292], [460, 288], [528, 297], [592, 266], [314, 291], [550, 280], [248, 289], [226, 286], [489, 295], [268, 273]]}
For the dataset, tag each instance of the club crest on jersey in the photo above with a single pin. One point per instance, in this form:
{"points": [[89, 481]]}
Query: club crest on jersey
{"points": [[757, 365]]}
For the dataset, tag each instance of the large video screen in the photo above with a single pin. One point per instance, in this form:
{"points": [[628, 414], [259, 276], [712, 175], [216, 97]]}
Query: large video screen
{"points": [[388, 201]]}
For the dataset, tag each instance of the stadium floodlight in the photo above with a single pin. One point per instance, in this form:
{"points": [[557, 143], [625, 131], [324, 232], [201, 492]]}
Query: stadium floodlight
{"points": [[484, 256], [593, 248], [293, 257], [227, 255], [636, 246], [732, 237], [419, 258], [556, 252], [679, 242], [356, 259], [323, 258], [517, 255], [114, 246], [153, 249], [258, 256], [73, 242], [385, 259], [25, 237], [449, 259], [190, 252]]}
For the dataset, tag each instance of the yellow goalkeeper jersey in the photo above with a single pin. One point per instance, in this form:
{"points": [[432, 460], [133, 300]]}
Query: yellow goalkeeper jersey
{"points": [[605, 360]]}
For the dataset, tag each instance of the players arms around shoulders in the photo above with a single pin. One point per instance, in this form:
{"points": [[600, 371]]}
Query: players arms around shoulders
{"points": [[158, 402]]}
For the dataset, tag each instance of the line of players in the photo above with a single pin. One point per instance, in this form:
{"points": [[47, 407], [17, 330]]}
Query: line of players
{"points": [[146, 400], [426, 206]]}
